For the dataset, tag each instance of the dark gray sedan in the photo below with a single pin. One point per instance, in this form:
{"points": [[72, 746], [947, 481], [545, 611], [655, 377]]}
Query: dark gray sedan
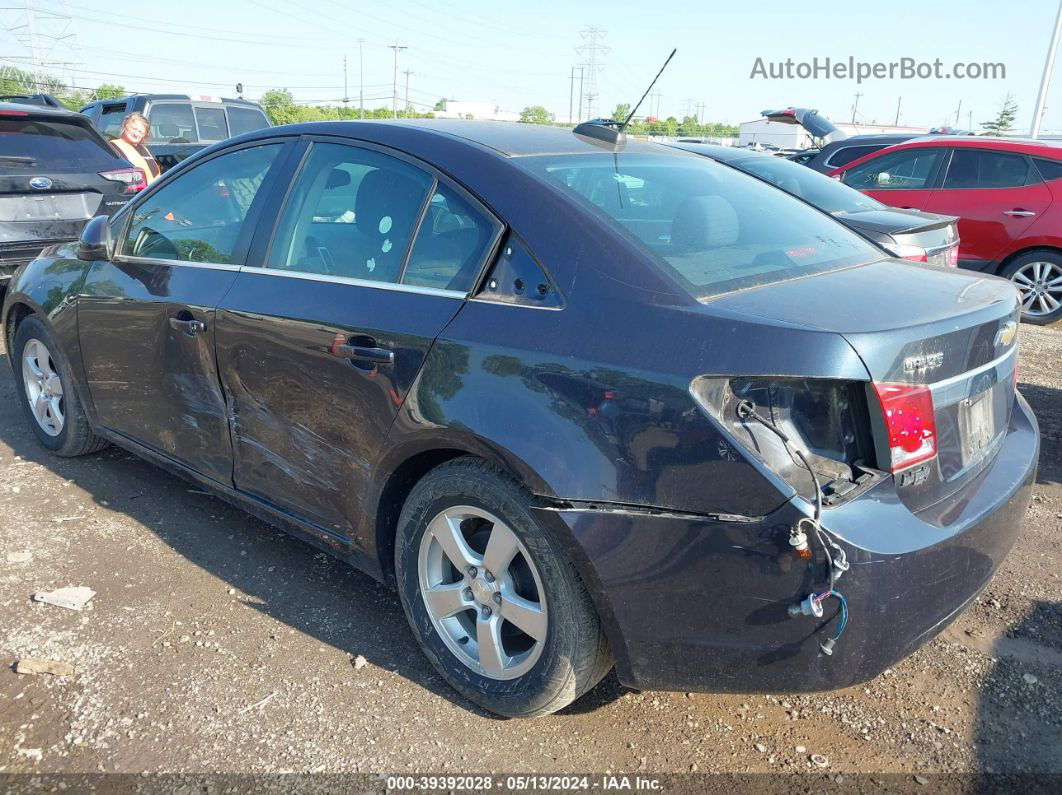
{"points": [[909, 234]]}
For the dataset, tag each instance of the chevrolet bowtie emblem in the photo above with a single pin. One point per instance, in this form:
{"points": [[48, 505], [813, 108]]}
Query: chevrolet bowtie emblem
{"points": [[1007, 332]]}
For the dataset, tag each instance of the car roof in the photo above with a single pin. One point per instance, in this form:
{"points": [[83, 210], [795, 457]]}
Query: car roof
{"points": [[185, 97], [989, 141], [511, 139], [725, 154]]}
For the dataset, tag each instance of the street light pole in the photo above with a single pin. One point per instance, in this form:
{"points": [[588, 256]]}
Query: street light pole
{"points": [[394, 87], [1049, 67], [361, 80]]}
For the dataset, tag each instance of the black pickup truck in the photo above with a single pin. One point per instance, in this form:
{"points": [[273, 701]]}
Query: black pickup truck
{"points": [[181, 124]]}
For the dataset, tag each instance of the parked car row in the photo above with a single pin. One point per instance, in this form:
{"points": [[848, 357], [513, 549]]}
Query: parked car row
{"points": [[583, 401]]}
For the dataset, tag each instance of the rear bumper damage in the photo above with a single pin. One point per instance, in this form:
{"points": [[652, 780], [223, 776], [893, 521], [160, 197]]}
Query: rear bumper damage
{"points": [[701, 603]]}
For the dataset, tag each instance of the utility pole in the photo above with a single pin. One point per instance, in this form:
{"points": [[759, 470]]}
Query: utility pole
{"points": [[346, 94], [361, 80], [580, 93], [958, 111], [592, 49], [407, 73], [394, 86], [855, 107], [1045, 81], [571, 96], [897, 122]]}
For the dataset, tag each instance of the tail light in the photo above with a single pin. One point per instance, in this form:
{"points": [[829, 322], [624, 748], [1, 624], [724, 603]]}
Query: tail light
{"points": [[133, 178], [907, 252], [952, 256], [910, 423]]}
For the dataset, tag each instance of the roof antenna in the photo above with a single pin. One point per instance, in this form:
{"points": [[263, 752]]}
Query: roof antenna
{"points": [[611, 131]]}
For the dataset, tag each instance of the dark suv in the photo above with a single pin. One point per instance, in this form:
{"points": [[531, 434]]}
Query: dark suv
{"points": [[56, 173], [180, 124]]}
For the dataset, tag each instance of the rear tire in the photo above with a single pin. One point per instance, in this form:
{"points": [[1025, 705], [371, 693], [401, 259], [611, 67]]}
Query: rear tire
{"points": [[48, 393], [523, 640], [1038, 275]]}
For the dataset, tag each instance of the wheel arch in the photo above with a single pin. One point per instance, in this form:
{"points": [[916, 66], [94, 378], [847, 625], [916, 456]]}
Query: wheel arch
{"points": [[1021, 252]]}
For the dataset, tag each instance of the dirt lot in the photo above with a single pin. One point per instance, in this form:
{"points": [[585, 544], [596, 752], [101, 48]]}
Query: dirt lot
{"points": [[215, 643]]}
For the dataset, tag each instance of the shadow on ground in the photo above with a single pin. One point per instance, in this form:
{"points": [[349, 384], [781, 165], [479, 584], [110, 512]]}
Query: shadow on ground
{"points": [[1046, 403], [289, 580]]}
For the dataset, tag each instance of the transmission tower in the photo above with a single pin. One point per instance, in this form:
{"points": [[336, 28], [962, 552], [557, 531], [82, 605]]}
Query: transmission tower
{"points": [[48, 46], [593, 50]]}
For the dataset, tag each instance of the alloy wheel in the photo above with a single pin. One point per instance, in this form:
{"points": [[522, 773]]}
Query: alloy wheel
{"points": [[44, 389], [482, 592], [1040, 284]]}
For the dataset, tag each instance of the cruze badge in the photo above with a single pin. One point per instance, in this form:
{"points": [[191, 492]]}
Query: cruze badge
{"points": [[40, 183], [928, 361], [1007, 332]]}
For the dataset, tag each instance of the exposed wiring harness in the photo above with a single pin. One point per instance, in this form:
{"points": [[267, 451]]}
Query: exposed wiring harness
{"points": [[836, 560]]}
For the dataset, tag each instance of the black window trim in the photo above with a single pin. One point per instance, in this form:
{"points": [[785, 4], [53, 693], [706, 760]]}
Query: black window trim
{"points": [[1033, 172], [250, 222], [265, 237], [209, 106]]}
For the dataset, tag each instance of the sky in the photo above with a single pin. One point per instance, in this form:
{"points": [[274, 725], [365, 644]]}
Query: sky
{"points": [[520, 54]]}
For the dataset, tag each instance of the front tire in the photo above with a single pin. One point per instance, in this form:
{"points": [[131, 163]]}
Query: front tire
{"points": [[493, 601], [1038, 275], [48, 394]]}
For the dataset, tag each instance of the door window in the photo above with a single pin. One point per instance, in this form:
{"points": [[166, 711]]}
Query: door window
{"points": [[212, 126], [353, 213], [199, 215], [172, 123], [1049, 169], [980, 168], [110, 123], [451, 244], [908, 170], [243, 120]]}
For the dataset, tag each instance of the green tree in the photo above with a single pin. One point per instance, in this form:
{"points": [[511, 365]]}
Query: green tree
{"points": [[441, 104], [1004, 120], [622, 111], [535, 114], [110, 91], [671, 126], [280, 107]]}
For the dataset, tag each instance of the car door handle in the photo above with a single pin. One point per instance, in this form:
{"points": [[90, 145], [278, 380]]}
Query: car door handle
{"points": [[189, 326], [362, 353], [1019, 213]]}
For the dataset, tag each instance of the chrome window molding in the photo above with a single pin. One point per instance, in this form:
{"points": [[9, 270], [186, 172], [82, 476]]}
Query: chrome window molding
{"points": [[347, 280], [216, 266]]}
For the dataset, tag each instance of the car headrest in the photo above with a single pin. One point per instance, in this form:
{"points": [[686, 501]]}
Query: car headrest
{"points": [[387, 204], [338, 178], [705, 222]]}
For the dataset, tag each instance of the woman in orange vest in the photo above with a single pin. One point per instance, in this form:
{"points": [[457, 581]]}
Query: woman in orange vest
{"points": [[131, 146]]}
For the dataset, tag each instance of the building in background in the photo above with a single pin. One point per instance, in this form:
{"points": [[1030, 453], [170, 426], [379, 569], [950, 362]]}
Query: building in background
{"points": [[454, 109], [792, 136]]}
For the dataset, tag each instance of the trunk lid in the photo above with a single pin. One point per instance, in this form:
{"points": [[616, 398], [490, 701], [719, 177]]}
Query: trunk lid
{"points": [[810, 120], [952, 331]]}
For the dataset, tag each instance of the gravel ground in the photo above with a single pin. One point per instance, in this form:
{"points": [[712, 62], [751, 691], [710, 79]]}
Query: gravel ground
{"points": [[215, 643]]}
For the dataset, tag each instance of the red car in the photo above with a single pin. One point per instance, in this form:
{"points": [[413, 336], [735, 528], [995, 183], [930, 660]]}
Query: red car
{"points": [[1007, 194]]}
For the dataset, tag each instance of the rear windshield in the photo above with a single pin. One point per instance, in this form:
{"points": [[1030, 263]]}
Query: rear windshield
{"points": [[244, 120], [49, 145], [811, 186], [714, 229]]}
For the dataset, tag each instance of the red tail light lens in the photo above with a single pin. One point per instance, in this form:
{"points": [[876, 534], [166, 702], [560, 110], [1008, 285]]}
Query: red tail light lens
{"points": [[132, 177], [952, 256], [910, 422]]}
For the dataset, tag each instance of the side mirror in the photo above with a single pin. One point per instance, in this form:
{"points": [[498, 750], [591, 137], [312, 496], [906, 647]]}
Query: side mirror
{"points": [[96, 242]]}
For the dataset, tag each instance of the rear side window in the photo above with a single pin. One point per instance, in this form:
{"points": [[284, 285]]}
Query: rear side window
{"points": [[847, 154], [49, 146], [451, 243], [911, 169], [1049, 169], [353, 213], [212, 125], [811, 186], [110, 121], [198, 216], [244, 120], [979, 168], [172, 123], [714, 229]]}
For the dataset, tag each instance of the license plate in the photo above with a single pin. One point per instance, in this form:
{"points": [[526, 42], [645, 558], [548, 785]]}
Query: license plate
{"points": [[53, 207], [977, 425]]}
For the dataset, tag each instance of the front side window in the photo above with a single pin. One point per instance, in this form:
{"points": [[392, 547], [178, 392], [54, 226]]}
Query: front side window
{"points": [[714, 229], [979, 168], [212, 126], [172, 123], [352, 213], [198, 216], [911, 169]]}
